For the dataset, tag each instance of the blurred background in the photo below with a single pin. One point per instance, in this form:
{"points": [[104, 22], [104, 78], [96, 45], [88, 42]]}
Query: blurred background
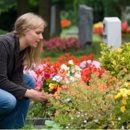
{"points": [[62, 15]]}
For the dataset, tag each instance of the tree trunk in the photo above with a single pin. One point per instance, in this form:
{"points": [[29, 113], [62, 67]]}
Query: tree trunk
{"points": [[44, 11], [55, 21], [22, 7]]}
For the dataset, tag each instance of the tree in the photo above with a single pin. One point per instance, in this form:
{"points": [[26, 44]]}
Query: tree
{"points": [[44, 11], [22, 7], [122, 5], [98, 10], [5, 4]]}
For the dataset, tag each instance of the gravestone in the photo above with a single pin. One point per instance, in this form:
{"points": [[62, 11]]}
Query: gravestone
{"points": [[85, 26], [112, 32], [126, 13], [55, 21]]}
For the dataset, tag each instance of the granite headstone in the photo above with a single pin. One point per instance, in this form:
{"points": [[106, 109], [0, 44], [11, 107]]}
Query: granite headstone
{"points": [[85, 26]]}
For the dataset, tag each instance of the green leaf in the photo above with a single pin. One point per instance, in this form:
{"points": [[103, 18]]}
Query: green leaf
{"points": [[56, 126], [49, 123]]}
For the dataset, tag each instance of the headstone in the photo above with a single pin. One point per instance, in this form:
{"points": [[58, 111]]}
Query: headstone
{"points": [[55, 21], [126, 13], [112, 31], [85, 26]]}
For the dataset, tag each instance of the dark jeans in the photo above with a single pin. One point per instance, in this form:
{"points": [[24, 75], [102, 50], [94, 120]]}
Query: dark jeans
{"points": [[13, 112]]}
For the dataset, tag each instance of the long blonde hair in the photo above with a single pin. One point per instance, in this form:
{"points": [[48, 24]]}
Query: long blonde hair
{"points": [[23, 24]]}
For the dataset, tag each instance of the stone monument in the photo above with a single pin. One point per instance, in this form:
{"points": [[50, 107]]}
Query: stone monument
{"points": [[112, 31], [85, 26], [55, 21]]}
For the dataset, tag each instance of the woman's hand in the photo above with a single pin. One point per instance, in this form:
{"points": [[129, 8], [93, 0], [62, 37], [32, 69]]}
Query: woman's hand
{"points": [[35, 95]]}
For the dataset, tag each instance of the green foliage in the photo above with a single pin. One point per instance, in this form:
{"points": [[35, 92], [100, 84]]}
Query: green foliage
{"points": [[2, 32], [28, 127], [75, 6], [54, 54], [37, 110], [116, 60], [5, 4], [7, 18], [70, 15], [52, 125], [34, 5], [71, 30], [122, 102], [111, 8], [98, 9], [81, 106]]}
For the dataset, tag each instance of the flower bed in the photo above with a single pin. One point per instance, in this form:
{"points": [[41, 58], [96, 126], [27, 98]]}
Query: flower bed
{"points": [[84, 93]]}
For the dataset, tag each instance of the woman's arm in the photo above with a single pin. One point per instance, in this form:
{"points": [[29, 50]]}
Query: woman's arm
{"points": [[35, 95]]}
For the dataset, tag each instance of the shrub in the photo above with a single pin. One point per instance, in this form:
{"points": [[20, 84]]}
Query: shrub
{"points": [[116, 60], [85, 95], [80, 106], [64, 44]]}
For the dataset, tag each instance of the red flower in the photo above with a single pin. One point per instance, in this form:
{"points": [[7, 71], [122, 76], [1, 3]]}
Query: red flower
{"points": [[65, 23], [46, 76], [124, 25]]}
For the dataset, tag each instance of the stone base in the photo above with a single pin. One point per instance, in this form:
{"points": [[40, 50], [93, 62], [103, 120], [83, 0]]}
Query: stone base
{"points": [[37, 122]]}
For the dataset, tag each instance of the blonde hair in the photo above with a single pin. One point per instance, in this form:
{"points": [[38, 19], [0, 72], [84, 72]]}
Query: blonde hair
{"points": [[23, 24]]}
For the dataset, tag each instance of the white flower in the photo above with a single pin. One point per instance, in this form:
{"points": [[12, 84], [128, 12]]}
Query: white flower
{"points": [[85, 114], [72, 118], [68, 99], [63, 66], [96, 120], [119, 118], [122, 127], [68, 74], [73, 70], [99, 115], [72, 79], [67, 127], [71, 62], [67, 81], [77, 75], [85, 121], [77, 68], [78, 116], [57, 78]]}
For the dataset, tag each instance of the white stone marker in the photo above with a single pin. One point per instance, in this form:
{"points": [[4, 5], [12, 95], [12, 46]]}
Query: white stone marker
{"points": [[112, 32]]}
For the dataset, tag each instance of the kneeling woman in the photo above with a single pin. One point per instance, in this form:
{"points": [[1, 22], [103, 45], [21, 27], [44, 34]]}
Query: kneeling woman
{"points": [[19, 48]]}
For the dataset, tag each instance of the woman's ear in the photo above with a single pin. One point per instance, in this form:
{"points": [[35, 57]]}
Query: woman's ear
{"points": [[24, 30]]}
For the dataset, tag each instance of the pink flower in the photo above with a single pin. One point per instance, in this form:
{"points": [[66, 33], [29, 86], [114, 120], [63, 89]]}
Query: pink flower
{"points": [[95, 63], [124, 25], [38, 85], [83, 64], [46, 76], [39, 82]]}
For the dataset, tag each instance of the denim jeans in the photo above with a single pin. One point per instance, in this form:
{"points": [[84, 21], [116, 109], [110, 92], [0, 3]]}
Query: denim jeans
{"points": [[13, 112]]}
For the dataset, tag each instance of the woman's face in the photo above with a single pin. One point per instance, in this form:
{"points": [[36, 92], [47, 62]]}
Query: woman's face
{"points": [[33, 37]]}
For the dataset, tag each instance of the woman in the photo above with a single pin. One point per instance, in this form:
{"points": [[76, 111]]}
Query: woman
{"points": [[19, 48]]}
